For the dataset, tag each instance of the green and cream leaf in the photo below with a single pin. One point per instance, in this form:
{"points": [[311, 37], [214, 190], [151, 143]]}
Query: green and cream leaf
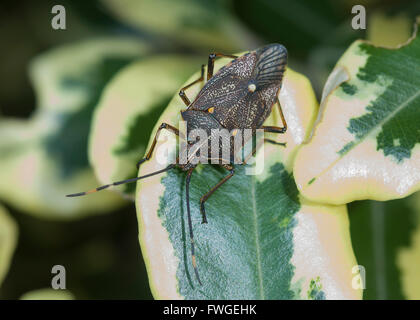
{"points": [[366, 144], [45, 157], [8, 241]]}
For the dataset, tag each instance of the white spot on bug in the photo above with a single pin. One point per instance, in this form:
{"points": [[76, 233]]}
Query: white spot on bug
{"points": [[252, 87]]}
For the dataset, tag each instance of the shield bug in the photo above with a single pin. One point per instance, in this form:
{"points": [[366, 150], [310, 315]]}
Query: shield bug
{"points": [[241, 95]]}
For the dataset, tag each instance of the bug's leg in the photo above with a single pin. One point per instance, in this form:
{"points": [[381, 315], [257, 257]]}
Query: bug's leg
{"points": [[187, 195], [205, 197], [273, 129], [162, 126], [182, 93], [212, 57], [283, 144], [283, 120]]}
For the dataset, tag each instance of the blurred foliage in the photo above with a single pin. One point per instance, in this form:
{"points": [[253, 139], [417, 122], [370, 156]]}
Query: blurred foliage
{"points": [[101, 253], [204, 24], [48, 294], [45, 156], [383, 236], [317, 32], [8, 240]]}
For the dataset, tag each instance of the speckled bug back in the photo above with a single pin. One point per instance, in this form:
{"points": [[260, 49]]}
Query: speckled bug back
{"points": [[242, 93]]}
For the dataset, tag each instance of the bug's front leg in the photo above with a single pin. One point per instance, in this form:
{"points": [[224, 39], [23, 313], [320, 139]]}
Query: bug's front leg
{"points": [[152, 148], [205, 197], [182, 93]]}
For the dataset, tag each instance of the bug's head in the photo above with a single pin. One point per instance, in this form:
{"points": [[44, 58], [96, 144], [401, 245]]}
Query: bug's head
{"points": [[270, 66]]}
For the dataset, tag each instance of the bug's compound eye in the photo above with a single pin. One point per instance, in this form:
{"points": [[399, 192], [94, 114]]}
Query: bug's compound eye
{"points": [[210, 110], [252, 86]]}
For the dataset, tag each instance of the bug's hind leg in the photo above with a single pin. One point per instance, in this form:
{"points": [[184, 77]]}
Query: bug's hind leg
{"points": [[274, 129], [283, 120], [210, 65], [205, 197], [182, 93], [152, 148], [283, 144]]}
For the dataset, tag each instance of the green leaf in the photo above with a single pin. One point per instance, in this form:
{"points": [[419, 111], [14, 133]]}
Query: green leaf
{"points": [[206, 24], [45, 157], [47, 294], [366, 143], [127, 112], [263, 240], [8, 240], [385, 237]]}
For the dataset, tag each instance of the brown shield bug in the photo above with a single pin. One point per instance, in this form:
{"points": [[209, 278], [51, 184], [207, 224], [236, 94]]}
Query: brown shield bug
{"points": [[239, 96]]}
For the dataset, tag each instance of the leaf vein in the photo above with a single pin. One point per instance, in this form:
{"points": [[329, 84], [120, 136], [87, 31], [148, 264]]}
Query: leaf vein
{"points": [[257, 239]]}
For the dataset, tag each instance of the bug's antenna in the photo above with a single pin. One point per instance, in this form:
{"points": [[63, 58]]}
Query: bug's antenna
{"points": [[194, 263], [120, 182]]}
